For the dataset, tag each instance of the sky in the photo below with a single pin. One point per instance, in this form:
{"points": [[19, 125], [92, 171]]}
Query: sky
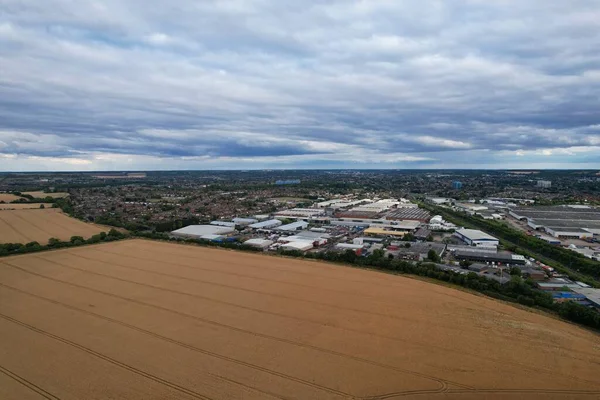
{"points": [[261, 84]]}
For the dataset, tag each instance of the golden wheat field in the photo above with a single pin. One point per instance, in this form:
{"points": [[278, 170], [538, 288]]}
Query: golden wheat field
{"points": [[139, 319], [39, 225], [7, 197], [42, 195]]}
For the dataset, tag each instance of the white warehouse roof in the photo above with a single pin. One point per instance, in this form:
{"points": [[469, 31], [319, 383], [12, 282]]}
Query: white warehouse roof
{"points": [[202, 230], [301, 245], [294, 226], [262, 243], [245, 221], [349, 246], [272, 223], [474, 234], [223, 223]]}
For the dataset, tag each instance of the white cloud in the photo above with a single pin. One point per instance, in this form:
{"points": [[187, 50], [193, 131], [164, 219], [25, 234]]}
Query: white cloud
{"points": [[226, 81]]}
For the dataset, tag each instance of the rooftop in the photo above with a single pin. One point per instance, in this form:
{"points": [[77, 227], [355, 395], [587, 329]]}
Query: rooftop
{"points": [[266, 224], [591, 294], [293, 226], [473, 234], [203, 230], [380, 231]]}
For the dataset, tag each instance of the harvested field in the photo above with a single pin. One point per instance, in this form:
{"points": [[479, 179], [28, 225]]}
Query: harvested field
{"points": [[139, 319], [22, 206], [42, 195], [39, 225], [7, 197]]}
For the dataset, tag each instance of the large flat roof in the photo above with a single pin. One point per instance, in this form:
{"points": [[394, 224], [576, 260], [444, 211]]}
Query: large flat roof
{"points": [[566, 229], [266, 224], [293, 226], [474, 234], [380, 231], [202, 230], [591, 294]]}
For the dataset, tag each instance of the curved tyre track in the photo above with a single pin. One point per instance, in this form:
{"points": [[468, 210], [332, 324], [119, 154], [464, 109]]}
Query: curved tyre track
{"points": [[29, 385], [210, 322], [424, 345], [101, 356], [443, 384]]}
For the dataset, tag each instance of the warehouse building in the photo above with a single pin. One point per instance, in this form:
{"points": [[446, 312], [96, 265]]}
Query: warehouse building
{"points": [[487, 257], [259, 243], [294, 226], [268, 224], [408, 213], [224, 223], [563, 222], [568, 233], [245, 221], [477, 238], [592, 295], [299, 245], [300, 213], [208, 232], [349, 246]]}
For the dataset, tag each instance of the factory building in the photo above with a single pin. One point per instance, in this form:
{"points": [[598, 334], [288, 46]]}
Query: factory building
{"points": [[382, 223], [295, 226], [487, 257], [245, 221], [208, 232], [592, 295], [299, 213], [477, 238], [299, 245], [437, 223], [569, 233], [329, 203], [375, 231], [563, 222], [224, 223], [349, 246], [268, 224], [259, 243]]}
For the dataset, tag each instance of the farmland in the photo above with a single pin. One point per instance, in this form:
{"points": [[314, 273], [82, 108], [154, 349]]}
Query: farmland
{"points": [[42, 195], [7, 197], [24, 226], [140, 319]]}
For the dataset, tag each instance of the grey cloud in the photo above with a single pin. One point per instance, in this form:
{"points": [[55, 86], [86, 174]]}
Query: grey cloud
{"points": [[317, 78]]}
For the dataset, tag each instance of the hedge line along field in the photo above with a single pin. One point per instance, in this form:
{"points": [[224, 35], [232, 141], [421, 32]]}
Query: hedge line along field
{"points": [[39, 225], [21, 206], [140, 319]]}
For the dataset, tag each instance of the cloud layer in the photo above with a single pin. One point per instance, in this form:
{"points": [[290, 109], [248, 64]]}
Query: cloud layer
{"points": [[148, 84]]}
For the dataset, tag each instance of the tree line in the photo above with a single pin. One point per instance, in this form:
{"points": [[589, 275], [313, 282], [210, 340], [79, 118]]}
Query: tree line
{"points": [[8, 249]]}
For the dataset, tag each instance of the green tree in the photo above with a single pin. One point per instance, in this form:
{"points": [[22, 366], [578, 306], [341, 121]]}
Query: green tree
{"points": [[54, 242], [515, 271], [433, 256]]}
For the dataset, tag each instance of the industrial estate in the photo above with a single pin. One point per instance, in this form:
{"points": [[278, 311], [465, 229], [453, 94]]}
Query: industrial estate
{"points": [[291, 290]]}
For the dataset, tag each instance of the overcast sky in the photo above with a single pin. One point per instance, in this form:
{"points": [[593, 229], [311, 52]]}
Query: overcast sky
{"points": [[240, 84]]}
